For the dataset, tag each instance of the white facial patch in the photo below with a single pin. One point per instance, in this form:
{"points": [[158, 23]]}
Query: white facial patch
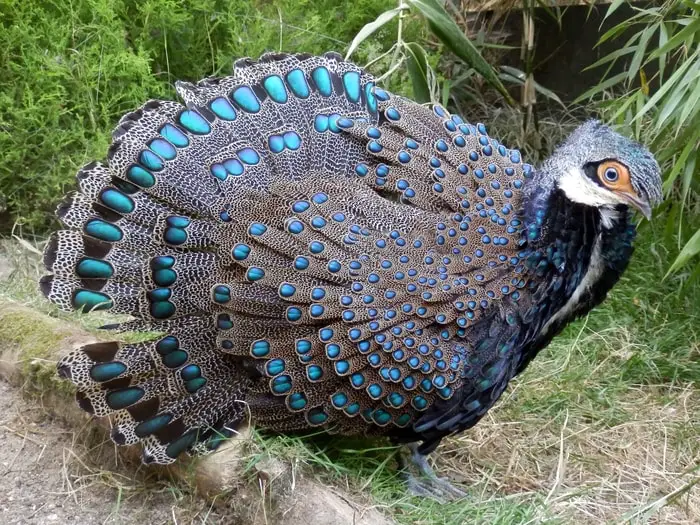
{"points": [[579, 188]]}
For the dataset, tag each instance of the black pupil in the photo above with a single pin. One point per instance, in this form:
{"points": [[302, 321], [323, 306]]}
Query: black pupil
{"points": [[611, 174]]}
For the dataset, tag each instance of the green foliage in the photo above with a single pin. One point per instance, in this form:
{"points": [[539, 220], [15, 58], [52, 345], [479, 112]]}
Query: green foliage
{"points": [[72, 69], [663, 110]]}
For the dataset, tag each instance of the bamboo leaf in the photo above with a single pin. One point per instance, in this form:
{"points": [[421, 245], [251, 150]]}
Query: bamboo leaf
{"points": [[418, 71], [446, 89], [611, 57], [678, 166], [688, 32], [690, 250], [688, 172], [640, 52], [608, 83], [519, 77], [691, 106], [449, 33], [370, 28], [665, 87], [615, 4], [663, 38]]}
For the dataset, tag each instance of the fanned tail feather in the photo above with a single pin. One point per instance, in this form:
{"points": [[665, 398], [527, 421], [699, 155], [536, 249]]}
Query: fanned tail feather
{"points": [[295, 234], [150, 234]]}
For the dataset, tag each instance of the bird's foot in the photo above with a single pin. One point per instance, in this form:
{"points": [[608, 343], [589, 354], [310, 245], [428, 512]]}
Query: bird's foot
{"points": [[427, 483]]}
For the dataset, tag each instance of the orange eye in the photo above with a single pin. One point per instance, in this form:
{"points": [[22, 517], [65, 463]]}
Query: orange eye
{"points": [[615, 176]]}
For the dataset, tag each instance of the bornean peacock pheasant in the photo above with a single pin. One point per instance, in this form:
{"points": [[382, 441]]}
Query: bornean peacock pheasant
{"points": [[329, 255]]}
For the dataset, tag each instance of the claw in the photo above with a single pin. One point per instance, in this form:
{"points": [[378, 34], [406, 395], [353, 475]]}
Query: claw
{"points": [[427, 484]]}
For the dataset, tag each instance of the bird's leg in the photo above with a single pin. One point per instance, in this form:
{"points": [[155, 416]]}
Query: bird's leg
{"points": [[425, 483]]}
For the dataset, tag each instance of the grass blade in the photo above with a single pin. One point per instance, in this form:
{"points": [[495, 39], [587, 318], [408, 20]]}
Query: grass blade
{"points": [[690, 250], [383, 19], [418, 71], [608, 83]]}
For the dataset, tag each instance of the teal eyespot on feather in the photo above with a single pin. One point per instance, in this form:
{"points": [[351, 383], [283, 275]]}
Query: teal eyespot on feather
{"points": [[370, 98], [223, 109], [293, 314], [241, 252], [303, 346], [117, 201], [151, 160], [222, 294], [162, 262], [190, 372], [141, 177], [351, 83], [103, 230], [275, 143], [296, 401], [254, 274], [352, 409], [163, 149], [314, 372], [260, 348], [403, 420], [286, 290], [274, 367], [316, 416], [292, 140], [275, 88], [89, 268], [339, 399], [124, 397], [321, 123], [175, 236], [296, 80], [281, 384], [164, 277], [174, 136], [194, 122], [181, 444], [103, 372], [152, 425], [322, 79], [175, 359], [233, 167], [381, 417], [159, 294], [246, 99], [167, 344], [256, 229], [91, 301]]}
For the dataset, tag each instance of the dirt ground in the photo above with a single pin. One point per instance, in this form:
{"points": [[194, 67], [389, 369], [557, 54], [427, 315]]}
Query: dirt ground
{"points": [[41, 480], [51, 473]]}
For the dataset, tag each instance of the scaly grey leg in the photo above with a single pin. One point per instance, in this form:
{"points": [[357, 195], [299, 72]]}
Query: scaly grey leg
{"points": [[426, 483]]}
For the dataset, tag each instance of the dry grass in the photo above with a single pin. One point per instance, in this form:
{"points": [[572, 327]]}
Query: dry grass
{"points": [[588, 472]]}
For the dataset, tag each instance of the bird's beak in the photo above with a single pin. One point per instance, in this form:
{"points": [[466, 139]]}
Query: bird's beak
{"points": [[639, 203]]}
